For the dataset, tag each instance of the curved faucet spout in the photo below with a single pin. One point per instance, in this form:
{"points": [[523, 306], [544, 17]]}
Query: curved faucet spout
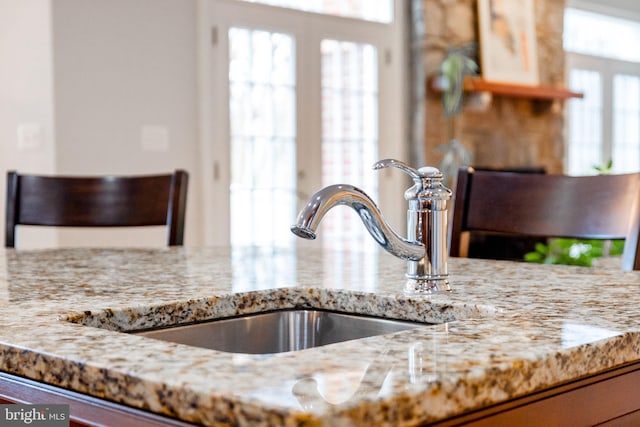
{"points": [[344, 194]]}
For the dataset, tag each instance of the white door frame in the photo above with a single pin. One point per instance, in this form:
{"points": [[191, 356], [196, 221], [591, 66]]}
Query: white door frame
{"points": [[214, 19]]}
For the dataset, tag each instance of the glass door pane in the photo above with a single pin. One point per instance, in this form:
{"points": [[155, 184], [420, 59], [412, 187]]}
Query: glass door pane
{"points": [[626, 123], [262, 88], [349, 132], [349, 149], [585, 125]]}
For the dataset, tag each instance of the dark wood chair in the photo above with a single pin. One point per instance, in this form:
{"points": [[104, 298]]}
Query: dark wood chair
{"points": [[540, 205], [97, 201], [488, 245]]}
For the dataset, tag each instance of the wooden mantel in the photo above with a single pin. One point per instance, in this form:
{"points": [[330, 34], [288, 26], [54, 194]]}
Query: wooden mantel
{"points": [[541, 92]]}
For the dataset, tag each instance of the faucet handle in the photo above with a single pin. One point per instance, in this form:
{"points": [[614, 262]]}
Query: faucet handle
{"points": [[415, 174], [427, 180], [393, 163]]}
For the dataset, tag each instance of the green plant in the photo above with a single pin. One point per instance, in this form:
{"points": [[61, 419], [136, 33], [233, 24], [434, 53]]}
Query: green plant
{"points": [[574, 251], [454, 155], [457, 64], [606, 169]]}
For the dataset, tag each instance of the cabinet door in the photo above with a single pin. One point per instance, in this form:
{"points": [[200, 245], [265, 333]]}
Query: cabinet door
{"points": [[84, 410], [608, 399]]}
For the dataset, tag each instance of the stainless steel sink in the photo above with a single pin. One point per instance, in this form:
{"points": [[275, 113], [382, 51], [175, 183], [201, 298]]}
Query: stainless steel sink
{"points": [[278, 331]]}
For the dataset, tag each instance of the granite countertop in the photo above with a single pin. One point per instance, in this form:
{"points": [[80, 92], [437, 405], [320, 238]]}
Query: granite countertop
{"points": [[506, 330]]}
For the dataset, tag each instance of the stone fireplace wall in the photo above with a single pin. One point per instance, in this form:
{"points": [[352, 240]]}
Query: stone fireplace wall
{"points": [[509, 132]]}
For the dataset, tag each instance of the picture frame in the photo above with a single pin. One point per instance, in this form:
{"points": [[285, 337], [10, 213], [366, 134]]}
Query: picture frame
{"points": [[508, 47]]}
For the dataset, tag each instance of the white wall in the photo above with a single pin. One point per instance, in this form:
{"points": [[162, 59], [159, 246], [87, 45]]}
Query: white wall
{"points": [[114, 67], [121, 65], [26, 96]]}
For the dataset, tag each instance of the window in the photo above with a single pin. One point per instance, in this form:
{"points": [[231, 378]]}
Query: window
{"points": [[600, 35], [349, 127], [262, 89], [370, 10], [605, 125]]}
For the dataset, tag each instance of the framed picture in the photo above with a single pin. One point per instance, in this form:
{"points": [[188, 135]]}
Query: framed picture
{"points": [[508, 50]]}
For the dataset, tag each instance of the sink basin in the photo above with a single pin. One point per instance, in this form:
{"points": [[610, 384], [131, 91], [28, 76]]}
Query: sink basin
{"points": [[278, 331]]}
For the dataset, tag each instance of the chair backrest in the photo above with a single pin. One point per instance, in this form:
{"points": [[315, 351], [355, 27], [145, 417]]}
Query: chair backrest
{"points": [[588, 207], [97, 201], [501, 246]]}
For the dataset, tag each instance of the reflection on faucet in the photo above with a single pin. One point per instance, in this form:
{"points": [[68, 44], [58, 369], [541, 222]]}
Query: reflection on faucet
{"points": [[425, 248]]}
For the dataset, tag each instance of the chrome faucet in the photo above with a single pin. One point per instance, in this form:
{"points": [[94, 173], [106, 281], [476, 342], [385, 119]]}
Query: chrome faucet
{"points": [[424, 249]]}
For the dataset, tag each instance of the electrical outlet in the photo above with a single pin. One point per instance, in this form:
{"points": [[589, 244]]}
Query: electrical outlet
{"points": [[154, 138], [30, 136]]}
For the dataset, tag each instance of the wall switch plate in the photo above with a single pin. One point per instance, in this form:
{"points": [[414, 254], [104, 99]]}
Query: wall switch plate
{"points": [[154, 138], [30, 136]]}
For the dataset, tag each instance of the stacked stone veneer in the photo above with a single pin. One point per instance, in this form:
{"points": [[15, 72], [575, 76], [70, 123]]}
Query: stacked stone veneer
{"points": [[510, 132]]}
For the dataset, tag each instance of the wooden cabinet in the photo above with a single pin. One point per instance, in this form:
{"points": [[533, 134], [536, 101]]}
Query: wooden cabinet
{"points": [[610, 399], [84, 410]]}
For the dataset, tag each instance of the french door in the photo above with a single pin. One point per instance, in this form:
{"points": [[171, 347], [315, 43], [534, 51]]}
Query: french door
{"points": [[293, 101], [605, 125]]}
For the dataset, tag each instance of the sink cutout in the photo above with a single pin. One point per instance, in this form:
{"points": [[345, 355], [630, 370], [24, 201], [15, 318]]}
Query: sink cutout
{"points": [[278, 331]]}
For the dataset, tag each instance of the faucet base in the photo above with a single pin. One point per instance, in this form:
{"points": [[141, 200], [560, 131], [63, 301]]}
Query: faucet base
{"points": [[426, 285]]}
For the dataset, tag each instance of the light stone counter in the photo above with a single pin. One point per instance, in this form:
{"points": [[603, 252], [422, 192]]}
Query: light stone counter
{"points": [[509, 329]]}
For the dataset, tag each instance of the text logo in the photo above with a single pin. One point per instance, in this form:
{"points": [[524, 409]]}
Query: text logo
{"points": [[34, 415]]}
